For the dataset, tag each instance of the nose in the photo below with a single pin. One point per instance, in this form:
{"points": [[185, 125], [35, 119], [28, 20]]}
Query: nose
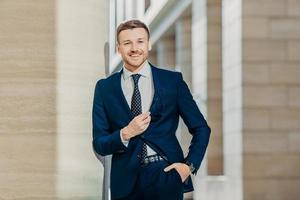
{"points": [[133, 47]]}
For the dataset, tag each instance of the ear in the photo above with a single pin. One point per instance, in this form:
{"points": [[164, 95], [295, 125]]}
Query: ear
{"points": [[149, 45], [117, 48]]}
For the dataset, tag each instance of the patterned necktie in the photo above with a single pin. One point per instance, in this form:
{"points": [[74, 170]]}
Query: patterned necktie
{"points": [[136, 106]]}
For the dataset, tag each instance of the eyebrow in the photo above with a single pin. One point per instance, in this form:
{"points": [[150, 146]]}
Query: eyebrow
{"points": [[130, 40]]}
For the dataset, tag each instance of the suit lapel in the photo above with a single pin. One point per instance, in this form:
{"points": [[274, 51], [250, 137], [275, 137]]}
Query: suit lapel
{"points": [[156, 104], [120, 95]]}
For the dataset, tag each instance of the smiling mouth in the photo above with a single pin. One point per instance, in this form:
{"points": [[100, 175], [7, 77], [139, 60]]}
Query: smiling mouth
{"points": [[134, 55]]}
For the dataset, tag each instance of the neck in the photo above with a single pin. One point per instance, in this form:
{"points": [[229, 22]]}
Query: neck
{"points": [[133, 69]]}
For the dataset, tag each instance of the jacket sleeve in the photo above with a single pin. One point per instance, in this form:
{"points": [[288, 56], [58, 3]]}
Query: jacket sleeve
{"points": [[105, 141], [196, 124]]}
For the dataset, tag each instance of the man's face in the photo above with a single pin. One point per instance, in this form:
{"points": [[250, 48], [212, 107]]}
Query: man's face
{"points": [[133, 46]]}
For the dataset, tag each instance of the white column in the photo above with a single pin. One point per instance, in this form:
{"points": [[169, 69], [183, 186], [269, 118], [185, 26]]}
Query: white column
{"points": [[79, 174], [120, 11], [129, 8], [199, 80], [112, 30], [232, 97], [140, 8]]}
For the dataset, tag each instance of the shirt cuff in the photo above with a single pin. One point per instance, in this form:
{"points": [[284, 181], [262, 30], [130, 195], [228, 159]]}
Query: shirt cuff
{"points": [[191, 166], [125, 142]]}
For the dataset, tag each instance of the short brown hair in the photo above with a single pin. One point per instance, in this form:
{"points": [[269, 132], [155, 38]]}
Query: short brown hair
{"points": [[131, 24]]}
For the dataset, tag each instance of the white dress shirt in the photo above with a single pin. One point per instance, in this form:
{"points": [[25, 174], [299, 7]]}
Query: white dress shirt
{"points": [[146, 89]]}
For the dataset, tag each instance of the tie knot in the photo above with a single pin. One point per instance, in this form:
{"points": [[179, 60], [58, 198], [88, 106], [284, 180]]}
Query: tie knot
{"points": [[136, 78]]}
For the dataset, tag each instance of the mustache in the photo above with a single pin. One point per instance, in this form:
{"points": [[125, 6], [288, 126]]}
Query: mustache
{"points": [[136, 52]]}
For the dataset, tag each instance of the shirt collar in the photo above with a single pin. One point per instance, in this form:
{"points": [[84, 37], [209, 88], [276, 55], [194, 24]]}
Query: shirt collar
{"points": [[145, 71]]}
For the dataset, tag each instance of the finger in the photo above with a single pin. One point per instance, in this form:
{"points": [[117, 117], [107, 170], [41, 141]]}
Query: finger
{"points": [[147, 120], [143, 116], [169, 168], [142, 123]]}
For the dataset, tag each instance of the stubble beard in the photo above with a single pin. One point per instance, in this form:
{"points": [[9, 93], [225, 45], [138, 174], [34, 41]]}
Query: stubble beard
{"points": [[136, 65]]}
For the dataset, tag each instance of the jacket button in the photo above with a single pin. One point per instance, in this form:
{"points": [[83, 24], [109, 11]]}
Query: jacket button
{"points": [[138, 155]]}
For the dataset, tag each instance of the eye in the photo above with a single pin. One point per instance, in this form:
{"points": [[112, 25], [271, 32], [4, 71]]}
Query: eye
{"points": [[140, 41]]}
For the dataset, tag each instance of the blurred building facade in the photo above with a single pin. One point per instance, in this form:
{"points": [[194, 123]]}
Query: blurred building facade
{"points": [[240, 59]]}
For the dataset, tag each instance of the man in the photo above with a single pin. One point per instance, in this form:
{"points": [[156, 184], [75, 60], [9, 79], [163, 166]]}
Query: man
{"points": [[135, 117]]}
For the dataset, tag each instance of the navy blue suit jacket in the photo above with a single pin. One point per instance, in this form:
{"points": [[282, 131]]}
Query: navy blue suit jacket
{"points": [[172, 99]]}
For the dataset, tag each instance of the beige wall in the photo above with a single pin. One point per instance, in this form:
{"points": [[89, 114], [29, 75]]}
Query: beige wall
{"points": [[166, 52], [271, 94], [27, 99], [51, 56], [214, 84]]}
